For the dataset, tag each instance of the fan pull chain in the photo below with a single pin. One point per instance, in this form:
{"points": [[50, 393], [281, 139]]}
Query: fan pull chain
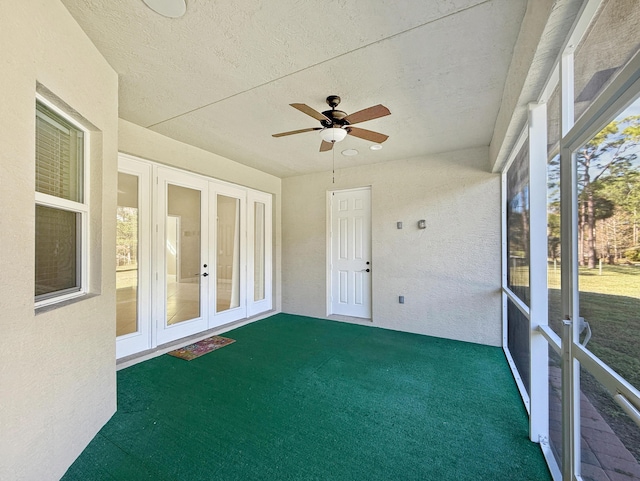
{"points": [[333, 152]]}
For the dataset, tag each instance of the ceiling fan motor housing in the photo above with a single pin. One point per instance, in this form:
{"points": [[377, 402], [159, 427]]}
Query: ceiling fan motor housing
{"points": [[336, 118]]}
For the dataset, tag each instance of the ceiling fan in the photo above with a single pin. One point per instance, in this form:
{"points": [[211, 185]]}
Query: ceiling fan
{"points": [[336, 124]]}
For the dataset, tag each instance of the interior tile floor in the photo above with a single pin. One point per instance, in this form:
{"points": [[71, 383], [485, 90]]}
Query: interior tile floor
{"points": [[183, 301]]}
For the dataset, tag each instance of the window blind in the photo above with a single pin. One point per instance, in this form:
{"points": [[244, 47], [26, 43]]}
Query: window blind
{"points": [[59, 149]]}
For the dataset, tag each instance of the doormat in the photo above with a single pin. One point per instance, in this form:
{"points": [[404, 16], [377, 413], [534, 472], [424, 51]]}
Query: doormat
{"points": [[201, 348]]}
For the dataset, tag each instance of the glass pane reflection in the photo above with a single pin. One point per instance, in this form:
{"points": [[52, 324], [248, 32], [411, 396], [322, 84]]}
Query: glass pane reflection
{"points": [[182, 254], [228, 253], [127, 255], [258, 254]]}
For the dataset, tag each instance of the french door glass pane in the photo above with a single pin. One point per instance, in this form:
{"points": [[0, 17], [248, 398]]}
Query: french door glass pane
{"points": [[609, 243], [56, 266], [259, 252], [228, 253], [610, 42], [182, 254], [127, 255]]}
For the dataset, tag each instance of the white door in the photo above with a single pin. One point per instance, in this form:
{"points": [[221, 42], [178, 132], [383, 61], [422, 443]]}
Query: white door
{"points": [[133, 257], [228, 244], [351, 253], [259, 294], [182, 275]]}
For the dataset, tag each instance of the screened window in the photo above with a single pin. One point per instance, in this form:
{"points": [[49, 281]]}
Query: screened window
{"points": [[60, 210], [518, 261], [610, 42], [553, 210], [518, 225]]}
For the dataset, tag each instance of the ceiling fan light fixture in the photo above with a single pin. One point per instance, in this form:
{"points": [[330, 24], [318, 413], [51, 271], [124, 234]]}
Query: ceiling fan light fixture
{"points": [[167, 8], [333, 134]]}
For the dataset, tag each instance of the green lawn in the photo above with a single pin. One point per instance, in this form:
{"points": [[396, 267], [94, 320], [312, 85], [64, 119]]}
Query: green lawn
{"points": [[611, 304]]}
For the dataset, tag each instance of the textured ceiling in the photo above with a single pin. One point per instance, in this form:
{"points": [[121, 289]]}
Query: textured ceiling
{"points": [[222, 76]]}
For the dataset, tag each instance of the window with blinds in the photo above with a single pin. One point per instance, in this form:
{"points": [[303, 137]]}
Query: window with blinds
{"points": [[60, 208], [59, 149]]}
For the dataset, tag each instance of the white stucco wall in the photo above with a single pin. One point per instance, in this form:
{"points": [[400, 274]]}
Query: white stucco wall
{"points": [[57, 368], [449, 273], [146, 144]]}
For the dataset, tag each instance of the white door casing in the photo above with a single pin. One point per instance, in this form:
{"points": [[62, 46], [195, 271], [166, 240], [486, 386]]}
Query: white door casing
{"points": [[350, 253]]}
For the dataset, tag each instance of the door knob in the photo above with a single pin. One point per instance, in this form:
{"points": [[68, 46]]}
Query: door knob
{"points": [[205, 274]]}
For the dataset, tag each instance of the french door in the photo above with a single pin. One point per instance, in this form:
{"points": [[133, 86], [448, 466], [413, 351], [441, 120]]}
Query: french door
{"points": [[228, 235], [192, 254], [182, 253], [133, 259], [259, 221]]}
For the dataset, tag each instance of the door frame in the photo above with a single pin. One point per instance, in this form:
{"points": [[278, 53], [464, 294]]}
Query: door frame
{"points": [[329, 249]]}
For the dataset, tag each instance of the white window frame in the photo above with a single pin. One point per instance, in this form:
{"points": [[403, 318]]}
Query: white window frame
{"points": [[80, 208]]}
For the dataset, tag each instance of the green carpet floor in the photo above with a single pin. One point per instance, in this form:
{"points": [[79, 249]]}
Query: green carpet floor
{"points": [[296, 398]]}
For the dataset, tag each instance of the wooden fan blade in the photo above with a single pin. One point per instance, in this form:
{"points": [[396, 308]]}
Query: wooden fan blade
{"points": [[309, 111], [282, 134], [371, 113], [325, 146], [365, 134]]}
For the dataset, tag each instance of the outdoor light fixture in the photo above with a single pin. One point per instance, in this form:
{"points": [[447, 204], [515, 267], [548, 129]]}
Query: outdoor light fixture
{"points": [[333, 134]]}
